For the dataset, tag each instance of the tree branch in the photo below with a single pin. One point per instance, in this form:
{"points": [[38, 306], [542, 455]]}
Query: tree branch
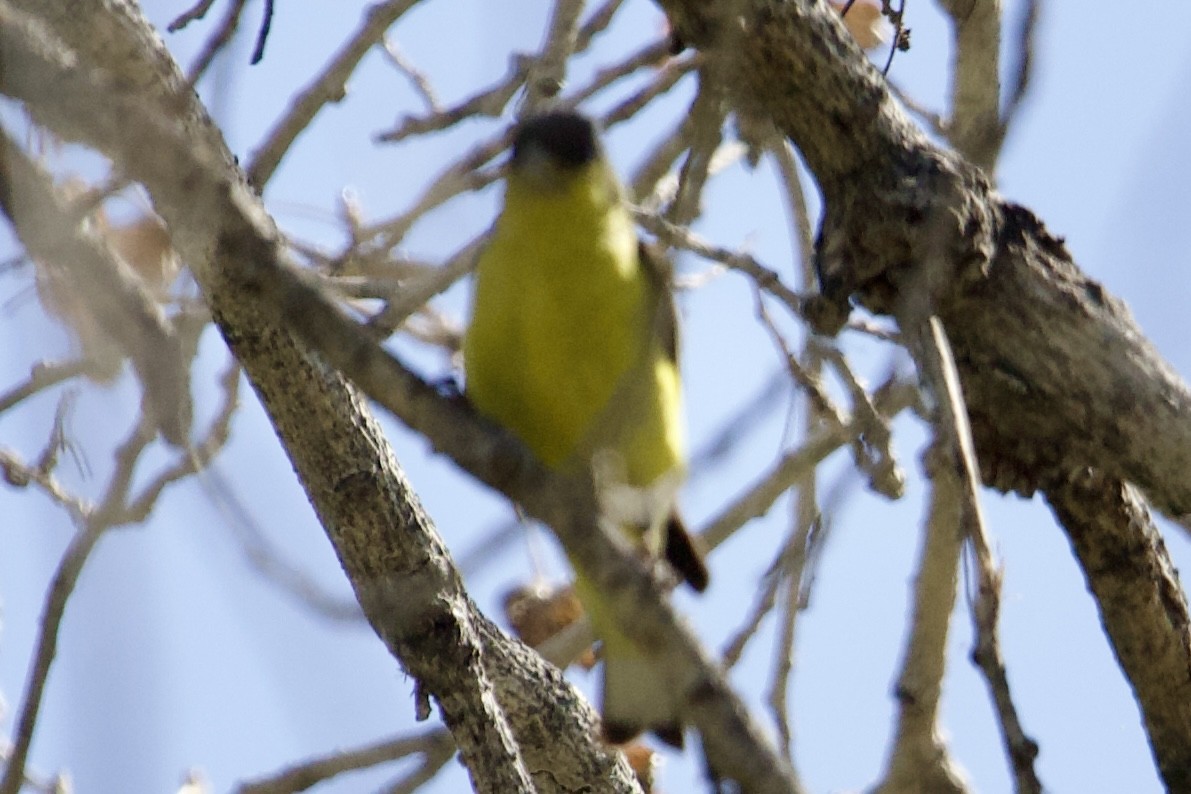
{"points": [[1142, 606], [142, 115], [329, 86], [1056, 374], [974, 123], [116, 298], [919, 759]]}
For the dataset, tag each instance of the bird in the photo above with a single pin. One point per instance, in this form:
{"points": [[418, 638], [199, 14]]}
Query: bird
{"points": [[572, 346]]}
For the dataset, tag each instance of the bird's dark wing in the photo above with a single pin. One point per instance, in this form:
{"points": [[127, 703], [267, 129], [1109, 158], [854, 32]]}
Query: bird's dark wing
{"points": [[658, 270]]}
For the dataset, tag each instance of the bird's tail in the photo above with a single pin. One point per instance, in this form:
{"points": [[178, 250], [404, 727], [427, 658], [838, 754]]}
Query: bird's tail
{"points": [[683, 555], [638, 693], [639, 696]]}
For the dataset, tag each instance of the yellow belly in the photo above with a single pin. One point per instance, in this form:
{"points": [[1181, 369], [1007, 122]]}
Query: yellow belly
{"points": [[560, 349]]}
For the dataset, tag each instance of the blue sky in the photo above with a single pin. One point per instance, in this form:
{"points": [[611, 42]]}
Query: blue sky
{"points": [[174, 654]]}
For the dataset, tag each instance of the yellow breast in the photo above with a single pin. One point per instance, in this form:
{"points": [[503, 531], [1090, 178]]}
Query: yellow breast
{"points": [[562, 321]]}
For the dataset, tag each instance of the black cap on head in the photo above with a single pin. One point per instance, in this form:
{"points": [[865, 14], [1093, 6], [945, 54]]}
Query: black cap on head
{"points": [[566, 136]]}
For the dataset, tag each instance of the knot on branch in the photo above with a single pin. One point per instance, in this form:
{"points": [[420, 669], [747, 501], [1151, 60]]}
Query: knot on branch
{"points": [[923, 230]]}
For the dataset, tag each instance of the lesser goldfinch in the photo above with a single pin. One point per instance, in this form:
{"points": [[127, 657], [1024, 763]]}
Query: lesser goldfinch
{"points": [[572, 346]]}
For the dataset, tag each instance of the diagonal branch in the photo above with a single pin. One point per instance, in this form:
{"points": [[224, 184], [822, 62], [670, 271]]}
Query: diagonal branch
{"points": [[1057, 376], [1055, 371], [148, 123], [414, 601], [919, 759], [1142, 606]]}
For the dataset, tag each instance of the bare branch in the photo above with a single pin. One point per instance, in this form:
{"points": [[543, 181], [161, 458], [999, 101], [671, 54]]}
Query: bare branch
{"points": [[216, 41], [19, 475], [44, 375], [199, 11], [1142, 606], [955, 518], [919, 759], [117, 299], [196, 458], [434, 746], [398, 565], [92, 527], [647, 56], [703, 135], [328, 86], [774, 581], [666, 78], [806, 539], [417, 78], [549, 71], [262, 34], [490, 102], [795, 467], [765, 278], [974, 123], [1020, 749], [596, 23], [1026, 43], [411, 296]]}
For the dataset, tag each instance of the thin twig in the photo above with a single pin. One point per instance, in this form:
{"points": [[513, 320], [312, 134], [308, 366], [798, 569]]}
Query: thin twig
{"points": [[647, 56], [461, 176], [802, 229], [796, 466], [985, 608], [196, 459], [873, 451], [705, 135], [490, 103], [65, 578], [807, 535], [596, 23], [43, 375], [417, 78], [931, 119], [432, 762], [1023, 74], [199, 11], [650, 184], [549, 71], [772, 582], [808, 380], [93, 524], [217, 41], [328, 86], [807, 519], [765, 277], [919, 760], [432, 743], [778, 695], [262, 35], [414, 295], [20, 475], [667, 77]]}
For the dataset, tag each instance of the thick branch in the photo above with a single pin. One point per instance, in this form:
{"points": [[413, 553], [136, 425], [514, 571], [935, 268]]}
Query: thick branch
{"points": [[1142, 607], [139, 114], [410, 592], [1056, 373], [1057, 376]]}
